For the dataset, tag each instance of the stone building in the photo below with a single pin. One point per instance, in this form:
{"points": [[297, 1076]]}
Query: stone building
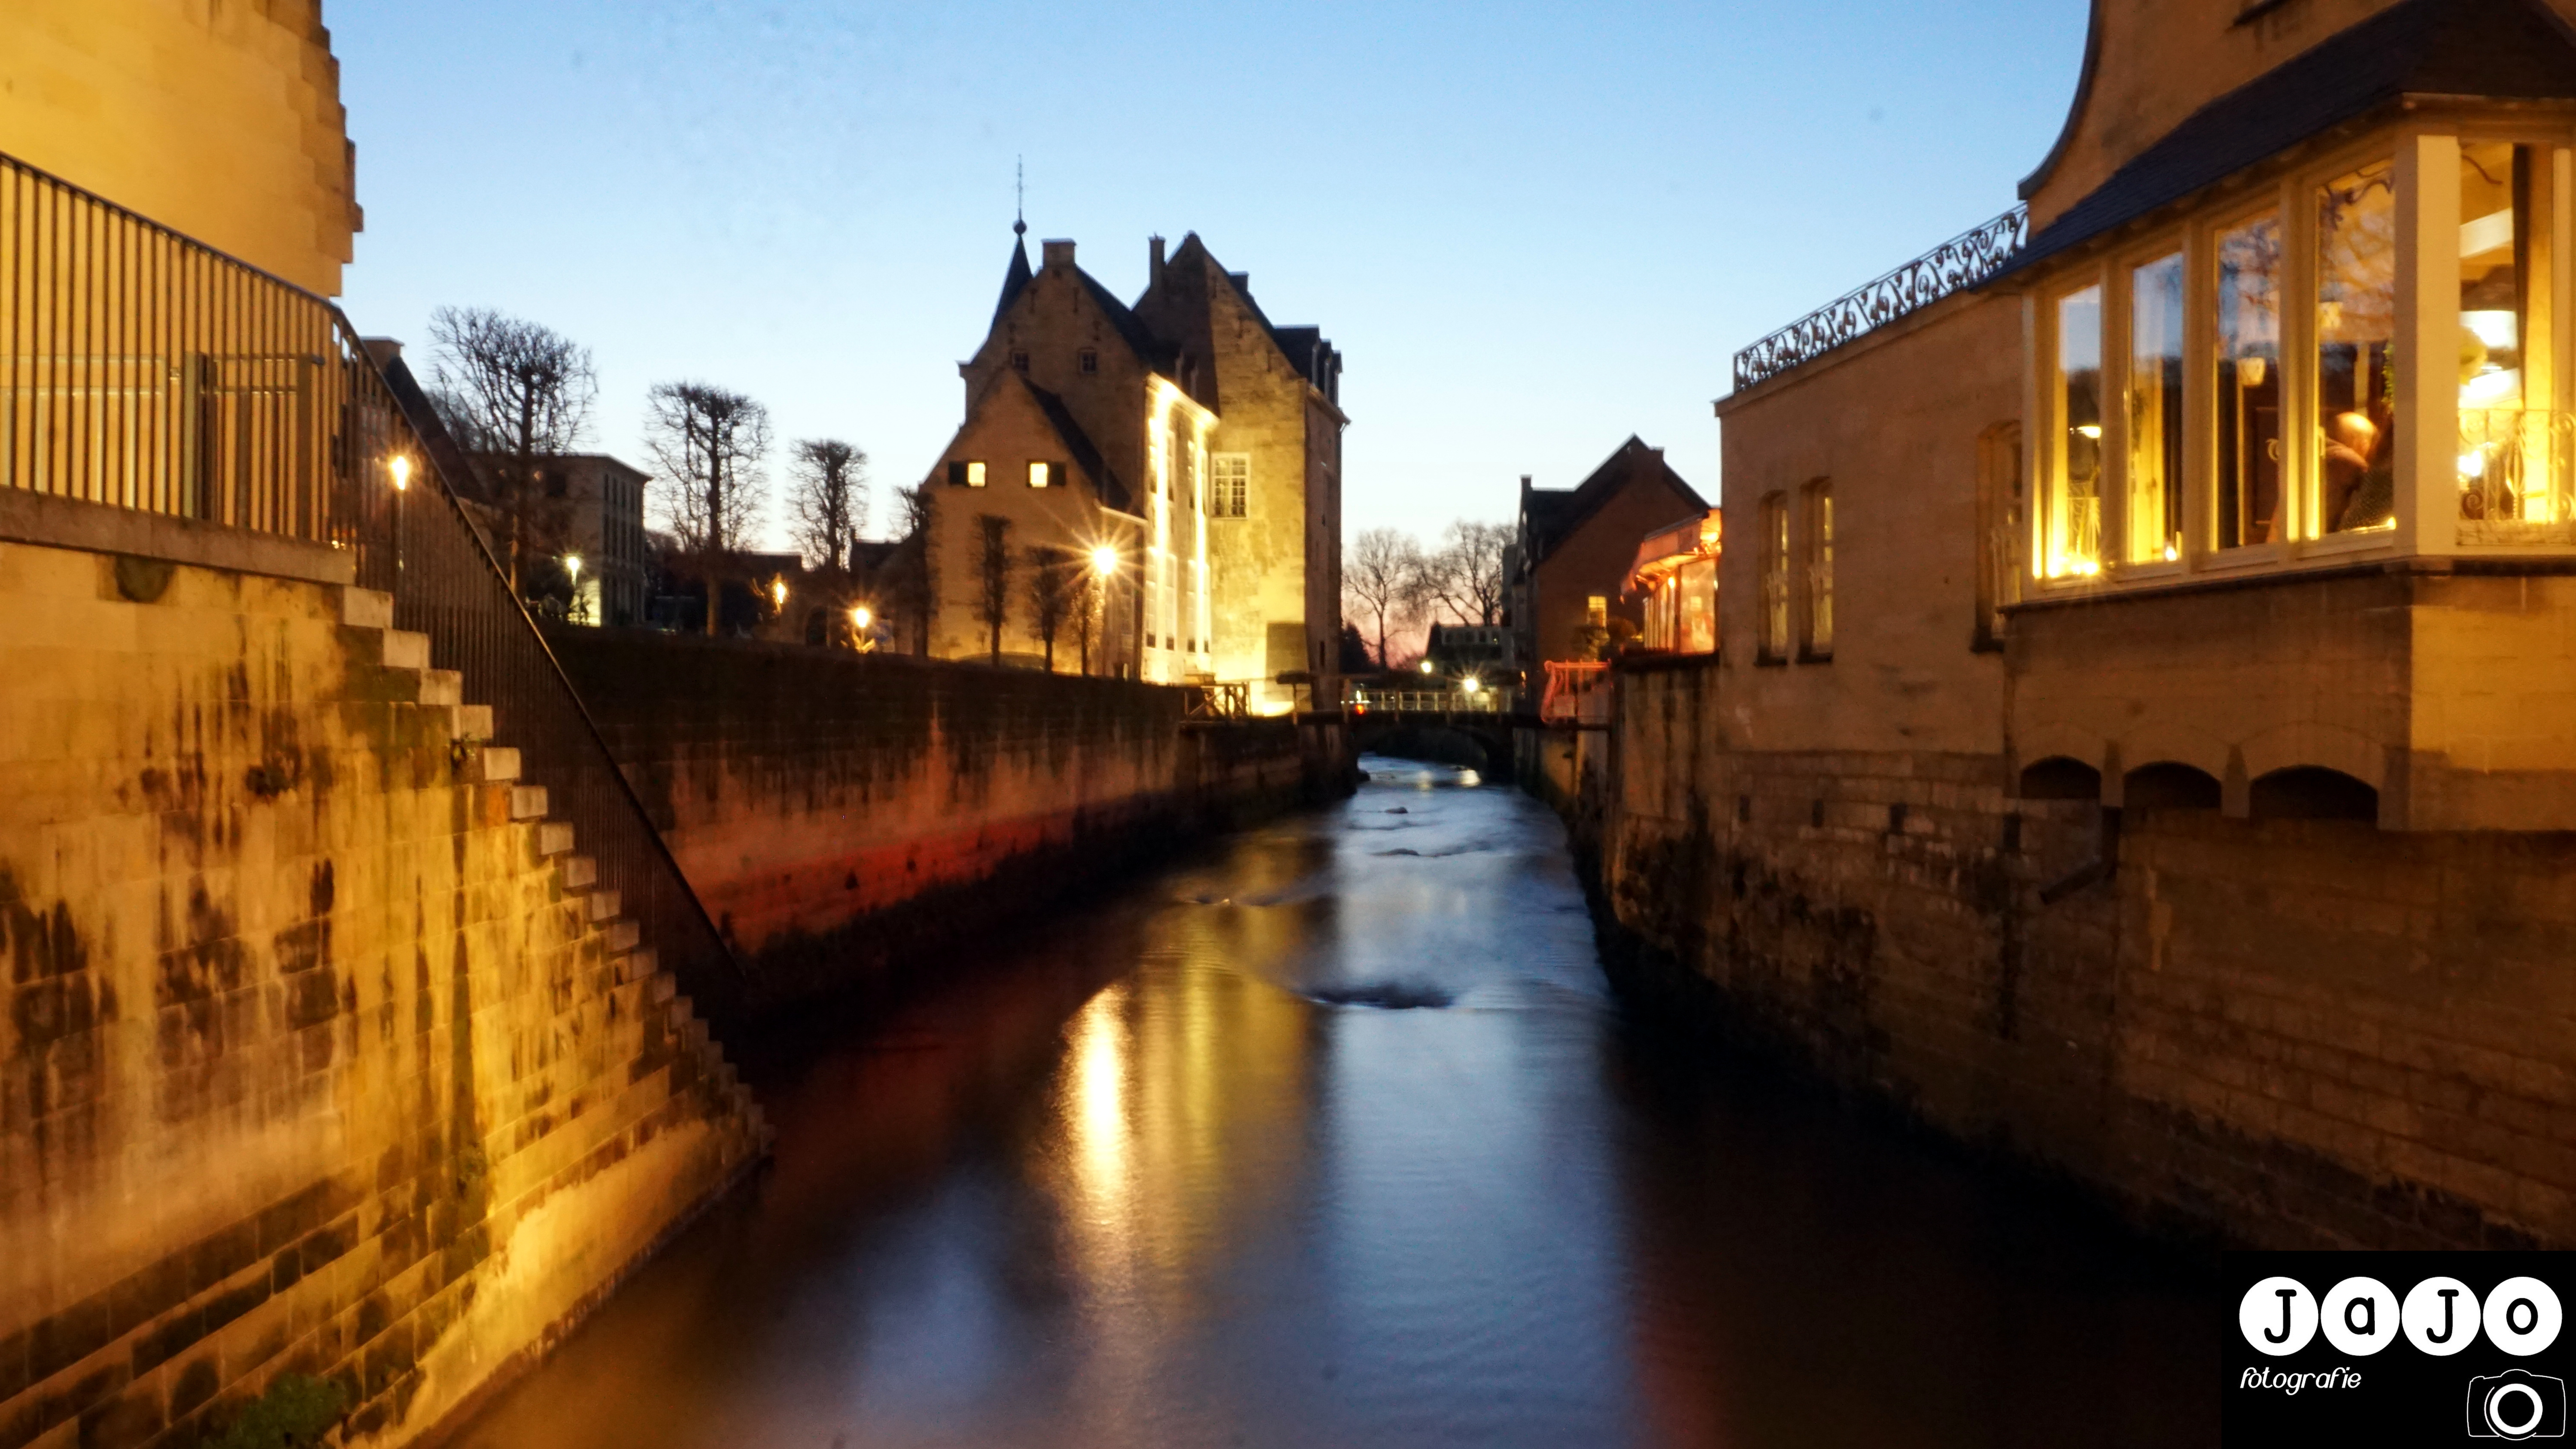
{"points": [[587, 552], [1175, 468], [1566, 571], [2139, 736], [332, 1079]]}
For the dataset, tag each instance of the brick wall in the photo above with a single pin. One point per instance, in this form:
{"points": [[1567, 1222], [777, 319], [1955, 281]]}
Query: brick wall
{"points": [[322, 1055], [837, 812], [2282, 1031]]}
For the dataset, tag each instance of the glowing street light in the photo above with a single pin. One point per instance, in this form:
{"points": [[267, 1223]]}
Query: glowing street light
{"points": [[572, 566], [1104, 560], [861, 616], [778, 593], [401, 466], [1426, 666], [1472, 685]]}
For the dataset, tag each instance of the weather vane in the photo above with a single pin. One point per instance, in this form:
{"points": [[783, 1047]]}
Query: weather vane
{"points": [[1019, 196]]}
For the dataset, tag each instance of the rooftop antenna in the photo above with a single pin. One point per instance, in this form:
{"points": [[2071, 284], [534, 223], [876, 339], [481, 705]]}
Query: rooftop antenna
{"points": [[1019, 196]]}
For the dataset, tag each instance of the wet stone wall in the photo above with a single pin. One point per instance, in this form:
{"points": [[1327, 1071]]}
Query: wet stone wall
{"points": [[841, 815], [328, 1086], [2289, 1032]]}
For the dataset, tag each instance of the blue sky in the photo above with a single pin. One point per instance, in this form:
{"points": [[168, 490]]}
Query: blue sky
{"points": [[1532, 229]]}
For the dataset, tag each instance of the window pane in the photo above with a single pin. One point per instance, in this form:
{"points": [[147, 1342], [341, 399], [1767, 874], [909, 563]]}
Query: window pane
{"points": [[2511, 471], [1037, 475], [2070, 543], [1775, 577], [2356, 363], [2249, 382], [1820, 569], [2155, 410]]}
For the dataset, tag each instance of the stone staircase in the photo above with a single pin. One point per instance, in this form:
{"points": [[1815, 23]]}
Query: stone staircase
{"points": [[634, 971]]}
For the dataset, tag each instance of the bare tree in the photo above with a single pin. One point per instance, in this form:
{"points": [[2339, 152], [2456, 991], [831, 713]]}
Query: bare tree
{"points": [[993, 570], [828, 498], [517, 393], [711, 443], [1382, 574], [1053, 584], [1090, 600], [1465, 576], [908, 584]]}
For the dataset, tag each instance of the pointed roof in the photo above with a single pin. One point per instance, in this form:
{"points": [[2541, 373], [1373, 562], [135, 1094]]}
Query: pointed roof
{"points": [[1015, 277], [1077, 444], [2494, 49], [1552, 514]]}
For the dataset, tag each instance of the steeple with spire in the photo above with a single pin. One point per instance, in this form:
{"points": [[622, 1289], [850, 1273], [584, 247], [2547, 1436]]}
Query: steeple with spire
{"points": [[1016, 275]]}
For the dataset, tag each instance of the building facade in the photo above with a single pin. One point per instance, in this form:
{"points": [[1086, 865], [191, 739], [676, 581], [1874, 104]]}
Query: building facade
{"points": [[2136, 737], [1566, 572], [1150, 491]]}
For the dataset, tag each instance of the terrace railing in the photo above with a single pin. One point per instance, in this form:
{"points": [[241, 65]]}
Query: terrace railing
{"points": [[141, 369], [1950, 268]]}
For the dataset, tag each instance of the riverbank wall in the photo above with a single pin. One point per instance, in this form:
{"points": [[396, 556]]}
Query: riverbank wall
{"points": [[843, 815], [329, 1079], [2284, 1032]]}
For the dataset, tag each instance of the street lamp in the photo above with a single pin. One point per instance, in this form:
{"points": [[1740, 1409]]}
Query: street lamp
{"points": [[1472, 685], [778, 593], [401, 466], [1104, 560], [861, 617], [572, 567], [1426, 666]]}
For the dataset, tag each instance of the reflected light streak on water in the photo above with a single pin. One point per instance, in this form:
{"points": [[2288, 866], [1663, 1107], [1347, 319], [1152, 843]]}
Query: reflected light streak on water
{"points": [[1336, 1137]]}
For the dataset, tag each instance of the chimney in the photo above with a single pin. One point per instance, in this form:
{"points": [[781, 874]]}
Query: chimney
{"points": [[1058, 254], [1242, 279], [1154, 262]]}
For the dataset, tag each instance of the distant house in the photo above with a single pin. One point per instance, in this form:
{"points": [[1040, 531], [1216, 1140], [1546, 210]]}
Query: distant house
{"points": [[1573, 549], [1457, 651], [581, 536], [1090, 514]]}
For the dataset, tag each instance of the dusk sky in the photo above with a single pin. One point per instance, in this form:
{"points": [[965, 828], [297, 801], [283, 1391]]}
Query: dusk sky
{"points": [[1533, 230]]}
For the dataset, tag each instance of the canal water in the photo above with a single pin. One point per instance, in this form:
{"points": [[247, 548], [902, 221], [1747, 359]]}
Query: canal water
{"points": [[1336, 1136]]}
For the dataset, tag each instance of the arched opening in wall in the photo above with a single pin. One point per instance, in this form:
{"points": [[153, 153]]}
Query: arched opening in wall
{"points": [[814, 628], [2060, 778], [2168, 786], [2313, 792]]}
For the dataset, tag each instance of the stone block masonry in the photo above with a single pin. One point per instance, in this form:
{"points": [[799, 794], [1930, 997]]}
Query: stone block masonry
{"points": [[2282, 1032], [322, 1053], [840, 814]]}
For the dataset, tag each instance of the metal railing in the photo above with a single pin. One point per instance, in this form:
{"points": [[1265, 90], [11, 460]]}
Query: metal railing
{"points": [[1578, 693], [142, 369], [1436, 701], [1952, 267], [2517, 477]]}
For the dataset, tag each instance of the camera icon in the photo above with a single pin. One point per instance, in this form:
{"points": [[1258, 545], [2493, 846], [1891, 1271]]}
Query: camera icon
{"points": [[2518, 1405]]}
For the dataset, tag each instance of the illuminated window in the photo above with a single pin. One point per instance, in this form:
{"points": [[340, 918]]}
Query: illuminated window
{"points": [[1774, 643], [1230, 480], [965, 474], [2155, 411], [2249, 382], [1816, 565], [1596, 612], [2070, 512], [2356, 375], [1043, 475], [2511, 472]]}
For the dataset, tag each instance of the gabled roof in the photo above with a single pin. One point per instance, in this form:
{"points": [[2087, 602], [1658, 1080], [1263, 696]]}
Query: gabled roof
{"points": [[1298, 345], [1150, 350], [1077, 443], [1551, 515], [2500, 49]]}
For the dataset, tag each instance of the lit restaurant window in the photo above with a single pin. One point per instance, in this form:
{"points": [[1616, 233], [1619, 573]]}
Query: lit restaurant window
{"points": [[1774, 644], [2356, 378], [2249, 382], [2155, 411], [1818, 566], [2513, 464], [2070, 513]]}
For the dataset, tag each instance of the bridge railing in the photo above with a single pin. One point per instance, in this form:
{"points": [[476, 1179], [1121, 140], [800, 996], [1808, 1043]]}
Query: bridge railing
{"points": [[142, 369], [1436, 701]]}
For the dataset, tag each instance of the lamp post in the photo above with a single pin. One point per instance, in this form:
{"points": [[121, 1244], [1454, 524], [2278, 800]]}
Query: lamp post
{"points": [[400, 466], [1104, 567]]}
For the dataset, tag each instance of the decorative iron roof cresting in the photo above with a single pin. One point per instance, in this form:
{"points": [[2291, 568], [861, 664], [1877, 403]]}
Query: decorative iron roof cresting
{"points": [[1952, 267]]}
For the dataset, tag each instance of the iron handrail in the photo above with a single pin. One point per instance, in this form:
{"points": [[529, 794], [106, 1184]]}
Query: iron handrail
{"points": [[143, 369]]}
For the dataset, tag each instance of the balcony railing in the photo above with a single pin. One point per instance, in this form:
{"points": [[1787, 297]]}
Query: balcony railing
{"points": [[2517, 477], [1578, 693], [142, 369], [1952, 267]]}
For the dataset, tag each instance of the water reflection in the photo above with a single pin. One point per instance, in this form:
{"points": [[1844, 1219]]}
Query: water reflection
{"points": [[1335, 1138]]}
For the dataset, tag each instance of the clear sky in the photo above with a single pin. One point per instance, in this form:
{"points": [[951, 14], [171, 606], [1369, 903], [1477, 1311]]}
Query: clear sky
{"points": [[1532, 229]]}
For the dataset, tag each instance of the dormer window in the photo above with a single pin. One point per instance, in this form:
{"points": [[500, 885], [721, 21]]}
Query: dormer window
{"points": [[1090, 359]]}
